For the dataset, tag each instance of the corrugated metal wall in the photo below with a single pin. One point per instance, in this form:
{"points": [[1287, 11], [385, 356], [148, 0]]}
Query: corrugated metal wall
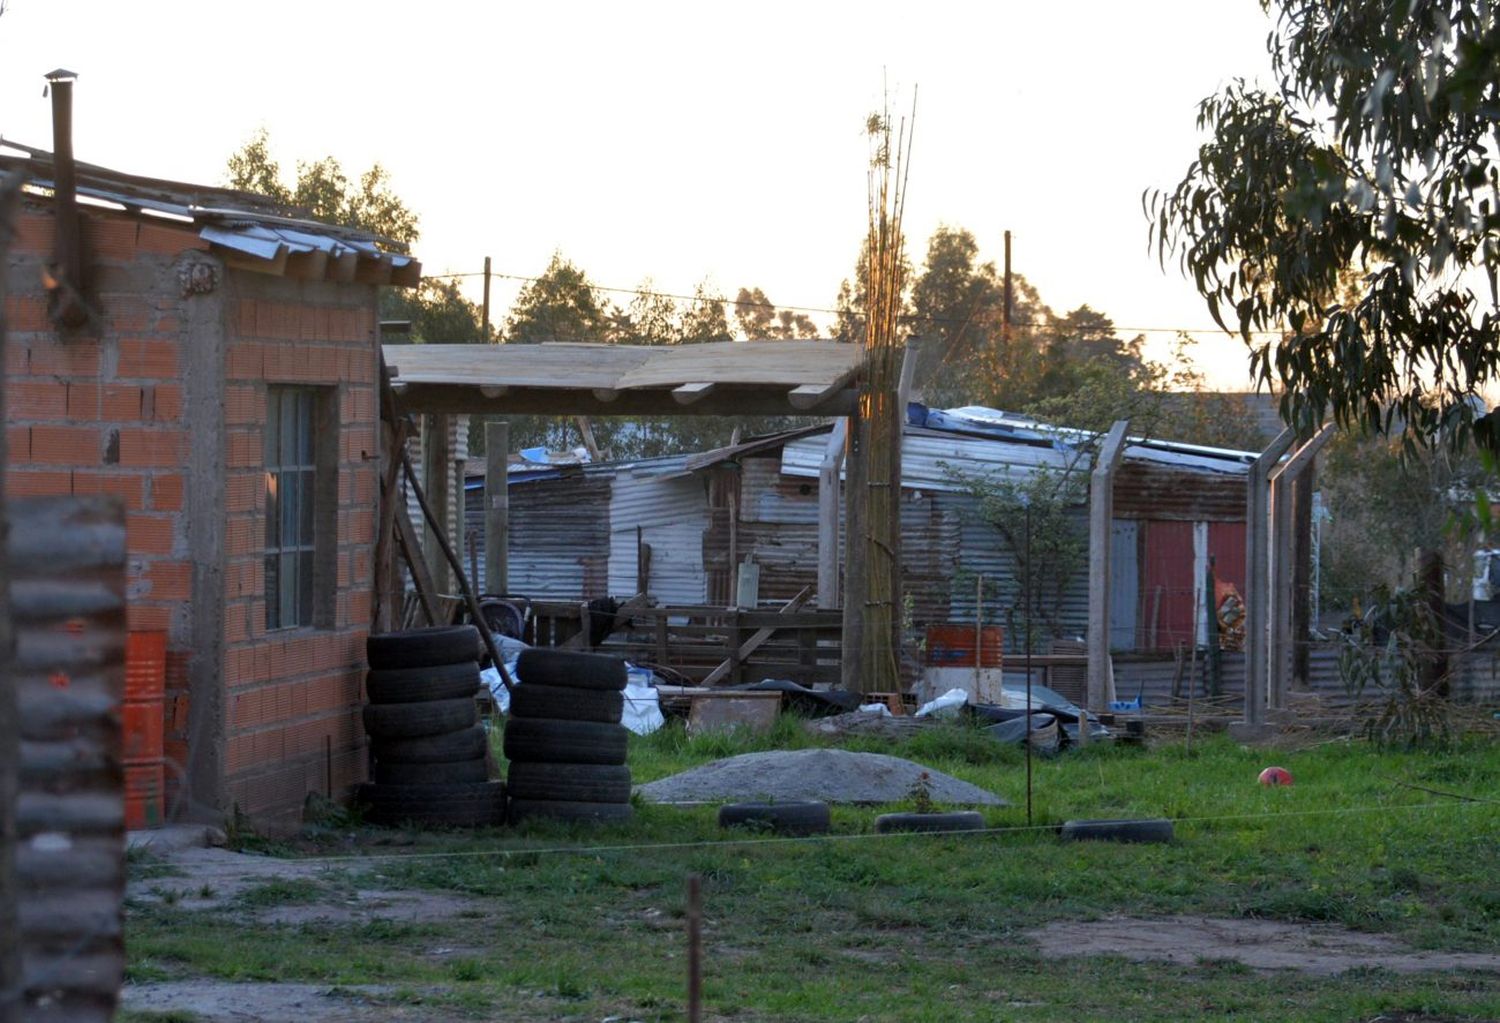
{"points": [[67, 577], [672, 515], [559, 537]]}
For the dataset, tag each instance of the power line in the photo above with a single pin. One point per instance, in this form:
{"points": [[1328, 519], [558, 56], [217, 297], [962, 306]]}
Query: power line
{"points": [[837, 312]]}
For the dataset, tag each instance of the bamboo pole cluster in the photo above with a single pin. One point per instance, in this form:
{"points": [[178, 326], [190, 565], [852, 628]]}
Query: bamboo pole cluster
{"points": [[880, 420]]}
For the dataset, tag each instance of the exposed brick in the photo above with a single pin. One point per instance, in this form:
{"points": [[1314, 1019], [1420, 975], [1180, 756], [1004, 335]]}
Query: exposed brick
{"points": [[66, 445], [242, 492], [36, 399], [126, 313], [151, 360], [166, 491], [244, 449], [35, 232], [247, 318], [38, 483], [168, 241], [147, 618], [244, 534], [18, 443], [150, 534], [152, 448], [245, 361], [70, 359], [130, 488], [165, 401], [106, 237], [169, 580], [112, 403], [24, 313], [244, 404]]}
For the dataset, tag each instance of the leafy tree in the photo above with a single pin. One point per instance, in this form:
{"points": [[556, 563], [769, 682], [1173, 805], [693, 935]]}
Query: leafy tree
{"points": [[560, 305], [325, 191], [1376, 151], [437, 309], [760, 320], [650, 319], [703, 319]]}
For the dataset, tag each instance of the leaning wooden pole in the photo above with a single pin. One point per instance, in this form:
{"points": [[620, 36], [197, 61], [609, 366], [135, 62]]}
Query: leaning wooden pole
{"points": [[880, 418], [10, 722]]}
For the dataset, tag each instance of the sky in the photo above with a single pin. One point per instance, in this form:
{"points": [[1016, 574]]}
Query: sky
{"points": [[682, 141]]}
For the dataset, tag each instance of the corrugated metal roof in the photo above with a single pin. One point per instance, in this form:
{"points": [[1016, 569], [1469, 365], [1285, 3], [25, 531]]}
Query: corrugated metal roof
{"points": [[243, 222]]}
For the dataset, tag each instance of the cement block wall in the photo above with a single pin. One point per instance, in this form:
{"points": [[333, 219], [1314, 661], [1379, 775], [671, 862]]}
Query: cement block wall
{"points": [[162, 404]]}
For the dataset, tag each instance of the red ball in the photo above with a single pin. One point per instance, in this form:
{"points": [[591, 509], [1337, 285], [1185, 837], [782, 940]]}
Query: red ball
{"points": [[1276, 776]]}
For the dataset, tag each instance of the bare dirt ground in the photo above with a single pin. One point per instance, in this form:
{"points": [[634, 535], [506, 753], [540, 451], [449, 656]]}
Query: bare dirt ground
{"points": [[1260, 944]]}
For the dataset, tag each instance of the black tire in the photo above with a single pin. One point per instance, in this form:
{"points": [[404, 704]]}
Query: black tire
{"points": [[1149, 829], [542, 741], [566, 703], [423, 648], [592, 813], [954, 820], [469, 744], [409, 720], [798, 817], [423, 685], [454, 772], [453, 806], [570, 783], [566, 668]]}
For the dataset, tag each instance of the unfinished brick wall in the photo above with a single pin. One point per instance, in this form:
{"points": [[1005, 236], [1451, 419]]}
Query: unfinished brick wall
{"points": [[294, 695], [103, 411]]}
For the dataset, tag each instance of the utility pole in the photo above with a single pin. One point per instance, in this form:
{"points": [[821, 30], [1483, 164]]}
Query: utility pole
{"points": [[1005, 332], [484, 331]]}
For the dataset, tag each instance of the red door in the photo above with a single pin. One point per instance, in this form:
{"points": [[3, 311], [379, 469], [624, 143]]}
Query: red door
{"points": [[1167, 585]]}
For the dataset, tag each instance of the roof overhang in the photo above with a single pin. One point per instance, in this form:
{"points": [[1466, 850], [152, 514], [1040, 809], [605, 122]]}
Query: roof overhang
{"points": [[809, 378]]}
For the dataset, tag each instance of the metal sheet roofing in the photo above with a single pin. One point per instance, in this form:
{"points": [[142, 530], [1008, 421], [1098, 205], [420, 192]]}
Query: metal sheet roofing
{"points": [[268, 236]]}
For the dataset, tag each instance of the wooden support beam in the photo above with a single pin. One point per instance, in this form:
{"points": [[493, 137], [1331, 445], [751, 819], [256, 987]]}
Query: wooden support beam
{"points": [[421, 577], [494, 390], [385, 532], [1101, 518], [1283, 639], [307, 266], [496, 507], [408, 275], [606, 394], [828, 515], [345, 266], [755, 642], [811, 395], [235, 260], [373, 270], [689, 393], [1258, 576]]}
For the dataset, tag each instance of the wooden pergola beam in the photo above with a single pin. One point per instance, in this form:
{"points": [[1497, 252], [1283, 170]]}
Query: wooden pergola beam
{"points": [[490, 399]]}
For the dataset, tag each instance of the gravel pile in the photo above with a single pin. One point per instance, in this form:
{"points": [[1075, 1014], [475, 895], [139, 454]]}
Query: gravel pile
{"points": [[831, 775]]}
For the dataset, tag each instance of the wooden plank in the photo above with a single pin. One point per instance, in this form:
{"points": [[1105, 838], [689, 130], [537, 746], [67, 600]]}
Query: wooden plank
{"points": [[406, 536], [689, 393], [407, 276], [344, 267], [307, 266], [558, 399], [1101, 516], [373, 270], [496, 507], [754, 642], [811, 395]]}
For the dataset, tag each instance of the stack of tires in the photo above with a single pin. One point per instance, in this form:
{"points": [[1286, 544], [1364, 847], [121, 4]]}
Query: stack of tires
{"points": [[431, 763], [564, 739]]}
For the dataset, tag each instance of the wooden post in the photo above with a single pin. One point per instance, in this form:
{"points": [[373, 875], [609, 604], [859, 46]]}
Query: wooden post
{"points": [[484, 326], [437, 461], [1258, 575], [496, 504], [1302, 552], [1283, 639], [1101, 519], [828, 516]]}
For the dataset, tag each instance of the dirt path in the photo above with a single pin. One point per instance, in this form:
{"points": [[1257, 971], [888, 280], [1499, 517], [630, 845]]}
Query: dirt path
{"points": [[1260, 944], [224, 1002]]}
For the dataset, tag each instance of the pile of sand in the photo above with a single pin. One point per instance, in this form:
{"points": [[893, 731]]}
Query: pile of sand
{"points": [[831, 775]]}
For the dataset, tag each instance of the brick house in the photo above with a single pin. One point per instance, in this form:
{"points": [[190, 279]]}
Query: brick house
{"points": [[222, 385]]}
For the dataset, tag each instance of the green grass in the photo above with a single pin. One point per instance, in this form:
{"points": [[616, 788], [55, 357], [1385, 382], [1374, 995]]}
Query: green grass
{"points": [[918, 927]]}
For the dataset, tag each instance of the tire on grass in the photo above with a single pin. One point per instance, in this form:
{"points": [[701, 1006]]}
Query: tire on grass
{"points": [[569, 668], [542, 740], [1146, 829], [423, 648], [796, 817], [477, 805], [468, 744], [522, 810], [422, 685], [953, 820], [410, 720], [570, 783], [566, 703], [453, 772]]}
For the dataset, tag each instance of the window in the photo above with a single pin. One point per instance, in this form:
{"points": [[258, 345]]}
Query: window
{"points": [[300, 450]]}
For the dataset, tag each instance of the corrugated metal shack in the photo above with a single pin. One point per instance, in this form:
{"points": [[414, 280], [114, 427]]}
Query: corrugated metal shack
{"points": [[1175, 507]]}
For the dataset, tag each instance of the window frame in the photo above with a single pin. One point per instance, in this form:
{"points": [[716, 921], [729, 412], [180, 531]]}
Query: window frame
{"points": [[300, 487]]}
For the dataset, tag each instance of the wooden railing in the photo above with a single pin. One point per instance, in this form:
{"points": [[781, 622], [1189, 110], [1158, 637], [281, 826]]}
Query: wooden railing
{"points": [[804, 646]]}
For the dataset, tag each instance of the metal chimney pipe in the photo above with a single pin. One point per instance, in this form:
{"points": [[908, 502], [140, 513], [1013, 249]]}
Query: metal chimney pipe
{"points": [[67, 307]]}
